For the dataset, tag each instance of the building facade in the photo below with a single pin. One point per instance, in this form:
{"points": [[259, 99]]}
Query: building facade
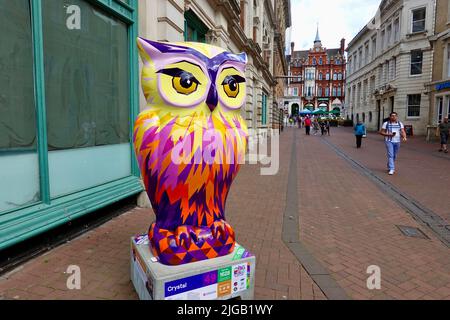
{"points": [[439, 88], [70, 93], [317, 78], [389, 61]]}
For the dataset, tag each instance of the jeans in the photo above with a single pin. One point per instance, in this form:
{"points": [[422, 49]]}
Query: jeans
{"points": [[392, 151]]}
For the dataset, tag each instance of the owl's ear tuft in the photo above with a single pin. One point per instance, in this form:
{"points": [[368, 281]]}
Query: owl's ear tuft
{"points": [[243, 57], [147, 49]]}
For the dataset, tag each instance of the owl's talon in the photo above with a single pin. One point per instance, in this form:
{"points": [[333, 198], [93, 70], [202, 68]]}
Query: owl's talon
{"points": [[189, 242]]}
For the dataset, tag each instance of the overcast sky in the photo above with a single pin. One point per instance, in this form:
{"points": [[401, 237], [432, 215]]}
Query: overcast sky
{"points": [[337, 19]]}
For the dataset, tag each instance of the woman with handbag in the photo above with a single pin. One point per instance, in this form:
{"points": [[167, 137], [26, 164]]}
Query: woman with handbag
{"points": [[360, 132]]}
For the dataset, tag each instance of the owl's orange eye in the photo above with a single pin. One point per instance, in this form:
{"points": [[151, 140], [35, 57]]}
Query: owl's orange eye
{"points": [[185, 83], [231, 85]]}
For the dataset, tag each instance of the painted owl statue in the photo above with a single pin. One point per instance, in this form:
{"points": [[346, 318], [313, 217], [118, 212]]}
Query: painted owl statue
{"points": [[189, 144]]}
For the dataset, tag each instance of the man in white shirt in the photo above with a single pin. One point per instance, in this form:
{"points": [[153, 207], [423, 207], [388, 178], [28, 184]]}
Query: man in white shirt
{"points": [[392, 131]]}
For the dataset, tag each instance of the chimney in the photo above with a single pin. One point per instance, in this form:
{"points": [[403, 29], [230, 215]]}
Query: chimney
{"points": [[342, 46]]}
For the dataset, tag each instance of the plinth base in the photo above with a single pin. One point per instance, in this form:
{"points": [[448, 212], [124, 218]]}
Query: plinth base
{"points": [[228, 277]]}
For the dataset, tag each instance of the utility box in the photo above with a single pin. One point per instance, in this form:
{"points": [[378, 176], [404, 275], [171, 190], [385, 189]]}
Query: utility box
{"points": [[223, 278]]}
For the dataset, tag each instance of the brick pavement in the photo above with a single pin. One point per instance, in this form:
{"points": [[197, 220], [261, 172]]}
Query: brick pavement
{"points": [[349, 223], [345, 221], [255, 209], [422, 172]]}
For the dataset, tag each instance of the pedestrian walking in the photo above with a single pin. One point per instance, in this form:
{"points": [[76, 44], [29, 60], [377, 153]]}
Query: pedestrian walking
{"points": [[316, 127], [322, 127], [360, 131], [393, 132], [444, 130], [308, 126], [327, 126]]}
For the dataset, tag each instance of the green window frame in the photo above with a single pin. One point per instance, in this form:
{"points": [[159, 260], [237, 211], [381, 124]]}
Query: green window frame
{"points": [[264, 110], [24, 222], [194, 29]]}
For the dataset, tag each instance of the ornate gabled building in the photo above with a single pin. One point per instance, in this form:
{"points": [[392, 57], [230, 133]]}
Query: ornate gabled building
{"points": [[317, 78]]}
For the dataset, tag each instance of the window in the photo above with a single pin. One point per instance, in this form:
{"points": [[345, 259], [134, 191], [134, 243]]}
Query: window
{"points": [[320, 76], [87, 94], [195, 29], [382, 39], [360, 58], [366, 53], [448, 59], [295, 93], [339, 76], [416, 62], [334, 91], [334, 76], [364, 117], [19, 170], [328, 76], [320, 92], [314, 61], [374, 48], [418, 20], [339, 91], [370, 116], [388, 35], [338, 62], [327, 92], [359, 94], [394, 68], [69, 93], [350, 61], [365, 85], [396, 30], [264, 110], [440, 109], [320, 61], [414, 105]]}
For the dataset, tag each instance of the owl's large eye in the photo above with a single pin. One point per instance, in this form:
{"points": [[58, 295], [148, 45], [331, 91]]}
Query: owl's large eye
{"points": [[231, 85], [183, 82]]}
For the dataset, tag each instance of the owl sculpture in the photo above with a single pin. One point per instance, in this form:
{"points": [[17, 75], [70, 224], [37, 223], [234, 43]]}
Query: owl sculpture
{"points": [[189, 143]]}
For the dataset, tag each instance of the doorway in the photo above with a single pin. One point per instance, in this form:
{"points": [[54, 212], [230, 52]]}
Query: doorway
{"points": [[295, 110]]}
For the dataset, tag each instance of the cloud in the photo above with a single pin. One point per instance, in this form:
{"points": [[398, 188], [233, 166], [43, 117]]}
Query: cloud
{"points": [[337, 19]]}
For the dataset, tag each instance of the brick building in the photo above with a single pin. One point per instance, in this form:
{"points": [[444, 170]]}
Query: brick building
{"points": [[317, 78]]}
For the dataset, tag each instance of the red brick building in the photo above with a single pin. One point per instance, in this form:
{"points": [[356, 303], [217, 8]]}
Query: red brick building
{"points": [[318, 78]]}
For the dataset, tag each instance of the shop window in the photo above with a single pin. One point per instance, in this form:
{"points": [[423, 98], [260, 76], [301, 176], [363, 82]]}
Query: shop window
{"points": [[19, 169], [414, 105], [87, 98]]}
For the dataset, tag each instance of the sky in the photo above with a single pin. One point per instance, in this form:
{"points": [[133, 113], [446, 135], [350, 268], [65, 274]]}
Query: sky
{"points": [[337, 19]]}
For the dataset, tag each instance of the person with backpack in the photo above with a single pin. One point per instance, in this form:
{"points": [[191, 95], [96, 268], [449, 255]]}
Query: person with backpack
{"points": [[360, 131], [393, 132]]}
